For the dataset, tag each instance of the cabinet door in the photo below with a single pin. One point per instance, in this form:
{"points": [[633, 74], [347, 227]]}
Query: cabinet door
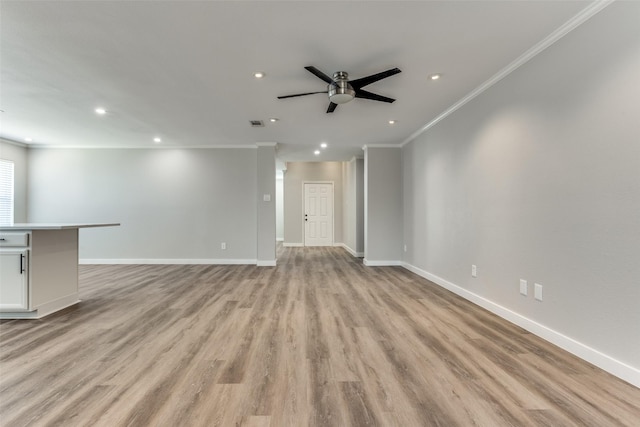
{"points": [[14, 285]]}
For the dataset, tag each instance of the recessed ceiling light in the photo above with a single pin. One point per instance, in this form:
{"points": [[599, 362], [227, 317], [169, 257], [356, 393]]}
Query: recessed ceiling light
{"points": [[28, 139], [392, 122], [258, 74], [317, 152], [323, 145], [435, 76], [101, 111], [273, 120], [157, 140]]}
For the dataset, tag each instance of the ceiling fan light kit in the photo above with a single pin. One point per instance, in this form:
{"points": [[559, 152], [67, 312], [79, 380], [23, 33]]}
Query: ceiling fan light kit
{"points": [[340, 90]]}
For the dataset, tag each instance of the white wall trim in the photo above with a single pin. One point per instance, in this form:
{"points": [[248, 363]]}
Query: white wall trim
{"points": [[279, 239], [564, 29], [379, 263], [266, 263], [601, 360], [351, 251], [58, 304], [138, 147], [365, 147], [16, 143], [165, 261], [19, 314], [44, 309], [293, 245], [266, 144]]}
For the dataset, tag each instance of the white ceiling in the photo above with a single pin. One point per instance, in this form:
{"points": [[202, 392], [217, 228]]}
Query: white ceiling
{"points": [[183, 70]]}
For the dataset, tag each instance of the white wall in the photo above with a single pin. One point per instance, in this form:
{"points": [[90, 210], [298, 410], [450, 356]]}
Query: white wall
{"points": [[266, 176], [279, 208], [359, 201], [296, 174], [17, 153], [539, 179], [382, 206], [353, 206], [175, 205]]}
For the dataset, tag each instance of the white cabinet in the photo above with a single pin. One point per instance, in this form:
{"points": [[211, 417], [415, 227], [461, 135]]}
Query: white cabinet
{"points": [[14, 271], [38, 272], [14, 281], [39, 268]]}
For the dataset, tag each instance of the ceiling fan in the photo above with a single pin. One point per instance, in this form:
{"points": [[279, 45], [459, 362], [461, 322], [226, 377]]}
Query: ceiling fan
{"points": [[342, 90]]}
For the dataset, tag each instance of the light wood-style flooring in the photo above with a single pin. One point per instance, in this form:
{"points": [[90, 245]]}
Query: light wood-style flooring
{"points": [[319, 340]]}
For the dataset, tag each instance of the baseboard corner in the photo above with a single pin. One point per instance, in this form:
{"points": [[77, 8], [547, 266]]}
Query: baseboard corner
{"points": [[381, 263], [350, 250]]}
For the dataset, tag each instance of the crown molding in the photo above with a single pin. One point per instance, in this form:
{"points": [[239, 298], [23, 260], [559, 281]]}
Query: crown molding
{"points": [[134, 147], [584, 15], [366, 147], [12, 142]]}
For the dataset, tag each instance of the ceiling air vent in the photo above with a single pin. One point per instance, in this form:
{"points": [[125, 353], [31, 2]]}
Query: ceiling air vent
{"points": [[256, 123]]}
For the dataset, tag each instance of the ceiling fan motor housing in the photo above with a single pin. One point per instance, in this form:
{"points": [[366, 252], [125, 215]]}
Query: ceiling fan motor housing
{"points": [[340, 91]]}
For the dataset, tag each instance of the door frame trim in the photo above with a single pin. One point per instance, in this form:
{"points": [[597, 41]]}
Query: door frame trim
{"points": [[333, 208]]}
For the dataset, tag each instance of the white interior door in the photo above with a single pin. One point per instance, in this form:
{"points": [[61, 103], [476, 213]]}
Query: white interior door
{"points": [[318, 214]]}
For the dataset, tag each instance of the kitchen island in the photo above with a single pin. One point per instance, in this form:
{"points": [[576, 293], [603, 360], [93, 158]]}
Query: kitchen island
{"points": [[39, 268]]}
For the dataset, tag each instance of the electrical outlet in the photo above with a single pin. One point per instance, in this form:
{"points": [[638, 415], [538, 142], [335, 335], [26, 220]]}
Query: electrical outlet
{"points": [[474, 270], [223, 246], [524, 288], [537, 291], [405, 248]]}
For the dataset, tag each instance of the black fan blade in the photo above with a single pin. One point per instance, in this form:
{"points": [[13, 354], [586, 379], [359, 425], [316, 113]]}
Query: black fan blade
{"points": [[358, 83], [319, 74], [374, 96], [300, 94], [332, 107]]}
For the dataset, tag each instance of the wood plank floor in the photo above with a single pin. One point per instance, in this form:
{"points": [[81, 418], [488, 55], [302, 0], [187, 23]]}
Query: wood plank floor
{"points": [[319, 340]]}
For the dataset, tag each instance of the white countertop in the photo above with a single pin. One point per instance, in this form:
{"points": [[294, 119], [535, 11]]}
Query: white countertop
{"points": [[53, 226]]}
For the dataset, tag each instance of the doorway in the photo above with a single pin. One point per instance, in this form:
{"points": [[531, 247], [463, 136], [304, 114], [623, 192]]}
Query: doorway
{"points": [[318, 214]]}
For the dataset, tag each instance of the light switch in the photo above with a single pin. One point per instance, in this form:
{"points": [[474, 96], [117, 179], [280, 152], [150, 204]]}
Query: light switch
{"points": [[524, 288], [266, 197], [537, 291]]}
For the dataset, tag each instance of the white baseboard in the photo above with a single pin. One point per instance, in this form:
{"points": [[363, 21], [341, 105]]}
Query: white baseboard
{"points": [[377, 263], [44, 309], [293, 245], [595, 357], [58, 304], [266, 263], [351, 251], [167, 261], [279, 239]]}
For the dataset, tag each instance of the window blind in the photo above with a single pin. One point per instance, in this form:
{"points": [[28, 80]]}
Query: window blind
{"points": [[6, 192]]}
